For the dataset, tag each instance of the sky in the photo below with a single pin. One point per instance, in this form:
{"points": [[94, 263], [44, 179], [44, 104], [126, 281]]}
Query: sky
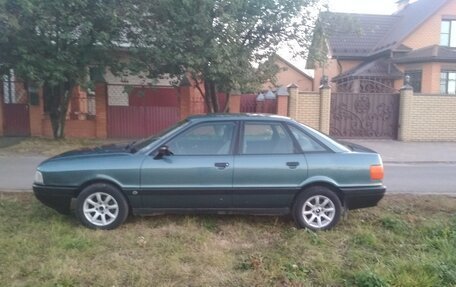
{"points": [[363, 6]]}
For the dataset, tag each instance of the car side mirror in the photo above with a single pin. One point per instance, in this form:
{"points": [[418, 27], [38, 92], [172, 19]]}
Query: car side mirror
{"points": [[163, 151]]}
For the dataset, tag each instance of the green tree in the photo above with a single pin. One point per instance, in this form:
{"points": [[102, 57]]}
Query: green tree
{"points": [[215, 42], [53, 42]]}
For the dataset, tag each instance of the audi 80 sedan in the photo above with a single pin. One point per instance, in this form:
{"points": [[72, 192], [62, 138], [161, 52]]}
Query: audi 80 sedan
{"points": [[223, 164]]}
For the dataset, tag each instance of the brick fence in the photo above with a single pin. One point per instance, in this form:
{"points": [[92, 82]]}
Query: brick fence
{"points": [[311, 108], [427, 117], [422, 117]]}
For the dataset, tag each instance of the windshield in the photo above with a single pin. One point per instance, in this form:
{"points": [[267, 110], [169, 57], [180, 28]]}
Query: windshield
{"points": [[136, 146]]}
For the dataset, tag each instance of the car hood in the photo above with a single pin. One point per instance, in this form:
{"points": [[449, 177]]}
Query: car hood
{"points": [[356, 147], [95, 151]]}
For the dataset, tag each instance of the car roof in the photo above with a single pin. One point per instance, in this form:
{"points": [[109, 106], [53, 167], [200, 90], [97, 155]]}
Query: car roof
{"points": [[238, 116]]}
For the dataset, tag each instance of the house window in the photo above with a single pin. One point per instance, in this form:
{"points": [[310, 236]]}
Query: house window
{"points": [[415, 79], [448, 33], [448, 82]]}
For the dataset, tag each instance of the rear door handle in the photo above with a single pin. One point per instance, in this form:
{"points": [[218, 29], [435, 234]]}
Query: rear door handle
{"points": [[292, 164], [221, 165]]}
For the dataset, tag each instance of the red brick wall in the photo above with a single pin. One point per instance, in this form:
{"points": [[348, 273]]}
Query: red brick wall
{"points": [[190, 101], [235, 103], [282, 105], [73, 128]]}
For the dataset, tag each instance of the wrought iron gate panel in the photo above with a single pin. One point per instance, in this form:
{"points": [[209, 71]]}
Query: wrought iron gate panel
{"points": [[364, 115]]}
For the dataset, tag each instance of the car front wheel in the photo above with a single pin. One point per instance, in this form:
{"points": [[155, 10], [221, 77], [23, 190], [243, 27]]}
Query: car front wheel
{"points": [[317, 208], [101, 206]]}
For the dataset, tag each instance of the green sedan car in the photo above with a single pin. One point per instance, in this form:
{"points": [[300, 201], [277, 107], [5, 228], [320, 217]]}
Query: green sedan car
{"points": [[222, 164]]}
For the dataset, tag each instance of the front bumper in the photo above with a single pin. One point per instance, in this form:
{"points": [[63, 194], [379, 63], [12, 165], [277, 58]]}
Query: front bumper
{"points": [[361, 197], [56, 197]]}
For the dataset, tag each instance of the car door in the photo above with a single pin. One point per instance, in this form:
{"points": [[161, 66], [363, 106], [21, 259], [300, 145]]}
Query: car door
{"points": [[199, 173], [269, 167]]}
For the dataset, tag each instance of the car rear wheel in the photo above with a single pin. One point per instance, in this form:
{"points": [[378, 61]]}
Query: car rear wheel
{"points": [[317, 208], [101, 206]]}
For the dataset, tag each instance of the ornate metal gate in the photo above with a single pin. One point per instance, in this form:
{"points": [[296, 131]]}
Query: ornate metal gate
{"points": [[364, 115]]}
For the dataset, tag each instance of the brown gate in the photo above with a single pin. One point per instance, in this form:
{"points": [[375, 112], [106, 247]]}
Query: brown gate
{"points": [[16, 116], [137, 112], [364, 115]]}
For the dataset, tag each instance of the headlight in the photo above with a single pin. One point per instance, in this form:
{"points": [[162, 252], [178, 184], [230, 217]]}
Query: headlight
{"points": [[39, 178]]}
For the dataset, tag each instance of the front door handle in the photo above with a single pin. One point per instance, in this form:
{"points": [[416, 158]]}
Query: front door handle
{"points": [[292, 164], [221, 165]]}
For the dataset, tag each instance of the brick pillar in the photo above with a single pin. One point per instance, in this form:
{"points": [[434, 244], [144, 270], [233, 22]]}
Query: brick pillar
{"points": [[282, 101], [235, 104], [325, 105], [36, 113], [101, 110], [184, 101], [405, 110], [191, 101], [293, 95]]}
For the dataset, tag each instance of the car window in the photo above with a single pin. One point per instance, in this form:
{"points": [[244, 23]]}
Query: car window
{"points": [[307, 143], [266, 138], [204, 139]]}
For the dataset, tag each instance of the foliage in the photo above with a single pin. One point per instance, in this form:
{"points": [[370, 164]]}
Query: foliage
{"points": [[53, 43], [215, 43], [326, 25]]}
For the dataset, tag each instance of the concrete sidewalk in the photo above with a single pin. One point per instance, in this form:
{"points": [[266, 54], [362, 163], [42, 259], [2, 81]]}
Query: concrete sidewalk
{"points": [[412, 152]]}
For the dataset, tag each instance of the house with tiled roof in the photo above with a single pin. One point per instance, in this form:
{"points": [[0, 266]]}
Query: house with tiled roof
{"points": [[373, 52], [391, 76], [289, 73]]}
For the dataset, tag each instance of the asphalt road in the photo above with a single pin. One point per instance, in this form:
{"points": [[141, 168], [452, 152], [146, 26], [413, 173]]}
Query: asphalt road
{"points": [[16, 174], [421, 178]]}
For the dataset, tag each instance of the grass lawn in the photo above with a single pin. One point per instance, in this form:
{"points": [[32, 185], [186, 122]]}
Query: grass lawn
{"points": [[406, 241]]}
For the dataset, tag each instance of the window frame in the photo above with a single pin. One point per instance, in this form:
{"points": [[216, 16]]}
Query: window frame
{"points": [[451, 33], [447, 81]]}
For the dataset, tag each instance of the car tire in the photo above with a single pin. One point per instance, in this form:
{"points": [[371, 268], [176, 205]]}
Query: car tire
{"points": [[317, 208], [101, 206]]}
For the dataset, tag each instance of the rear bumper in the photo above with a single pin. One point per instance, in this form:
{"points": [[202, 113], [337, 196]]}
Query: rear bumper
{"points": [[56, 197], [361, 197]]}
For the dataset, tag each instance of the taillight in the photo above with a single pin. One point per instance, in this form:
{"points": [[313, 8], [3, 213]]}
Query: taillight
{"points": [[376, 172]]}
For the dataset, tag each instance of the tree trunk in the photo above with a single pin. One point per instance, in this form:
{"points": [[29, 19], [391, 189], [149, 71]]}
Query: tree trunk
{"points": [[226, 109], [58, 102], [208, 97]]}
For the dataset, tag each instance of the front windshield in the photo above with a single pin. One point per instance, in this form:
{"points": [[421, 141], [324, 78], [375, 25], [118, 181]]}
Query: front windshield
{"points": [[147, 141]]}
